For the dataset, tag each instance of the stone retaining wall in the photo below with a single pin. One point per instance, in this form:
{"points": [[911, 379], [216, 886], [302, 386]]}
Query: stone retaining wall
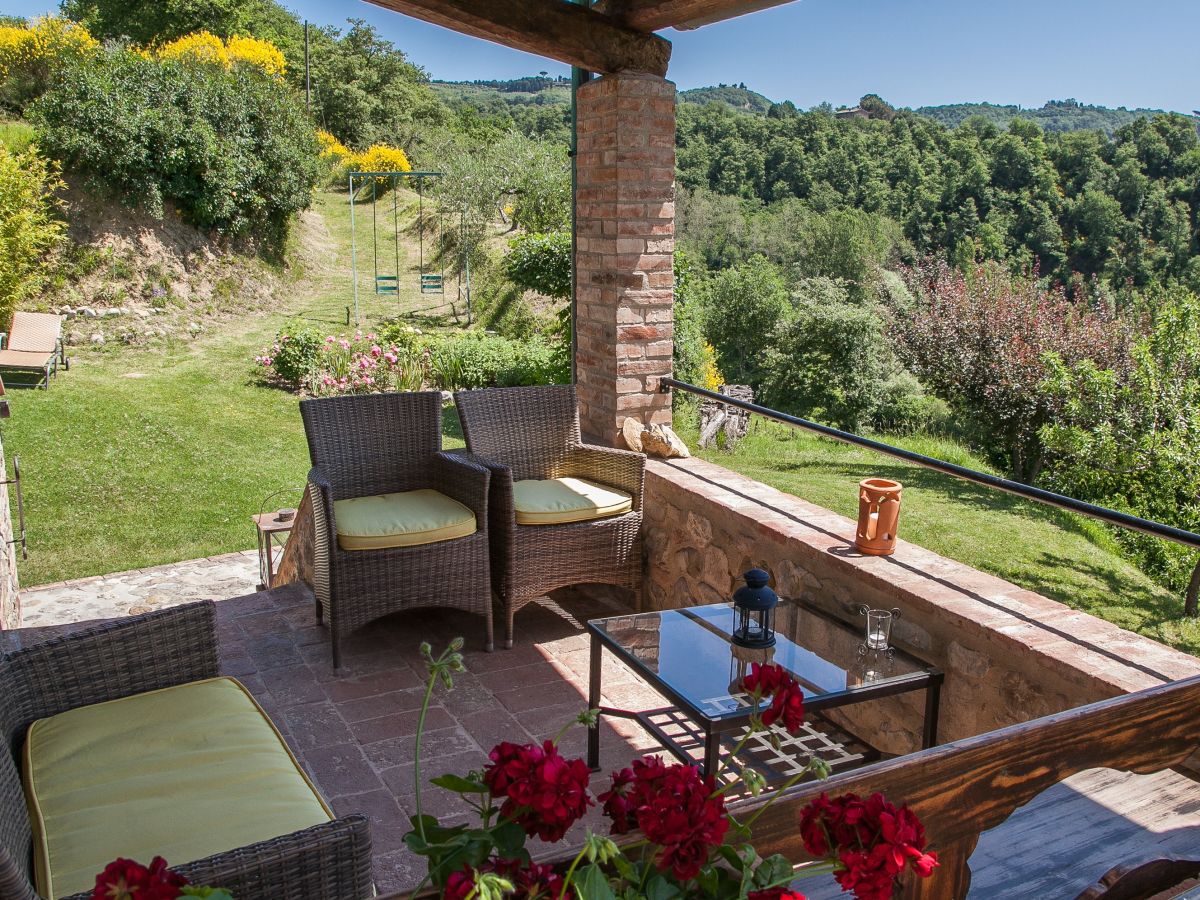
{"points": [[10, 597], [1009, 654]]}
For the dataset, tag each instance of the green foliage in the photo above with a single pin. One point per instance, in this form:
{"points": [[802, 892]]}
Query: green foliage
{"points": [[230, 149], [365, 90], [850, 246], [734, 96], [16, 136], [478, 360], [541, 262], [29, 227], [1131, 437], [1080, 208], [742, 307], [297, 352], [830, 361], [1054, 116], [690, 356]]}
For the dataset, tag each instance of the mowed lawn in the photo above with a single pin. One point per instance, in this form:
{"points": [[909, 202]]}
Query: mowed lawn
{"points": [[1062, 556], [142, 456]]}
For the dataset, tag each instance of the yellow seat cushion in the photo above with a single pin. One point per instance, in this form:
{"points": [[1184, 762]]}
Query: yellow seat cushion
{"points": [[405, 519], [556, 501], [182, 773]]}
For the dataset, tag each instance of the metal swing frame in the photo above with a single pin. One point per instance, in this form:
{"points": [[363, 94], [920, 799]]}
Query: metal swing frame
{"points": [[387, 284]]}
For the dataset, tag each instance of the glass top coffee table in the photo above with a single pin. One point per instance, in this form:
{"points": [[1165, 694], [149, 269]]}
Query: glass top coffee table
{"points": [[687, 657]]}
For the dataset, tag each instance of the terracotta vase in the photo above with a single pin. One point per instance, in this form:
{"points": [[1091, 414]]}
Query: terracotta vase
{"points": [[878, 513]]}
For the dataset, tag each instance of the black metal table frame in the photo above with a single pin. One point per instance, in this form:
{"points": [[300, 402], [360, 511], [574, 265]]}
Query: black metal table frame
{"points": [[930, 680]]}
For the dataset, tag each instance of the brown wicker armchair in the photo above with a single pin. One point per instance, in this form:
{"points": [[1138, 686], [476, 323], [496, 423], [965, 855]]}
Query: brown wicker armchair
{"points": [[132, 656], [532, 433], [381, 445]]}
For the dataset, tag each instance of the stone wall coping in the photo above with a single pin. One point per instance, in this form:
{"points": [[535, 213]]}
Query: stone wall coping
{"points": [[1074, 645]]}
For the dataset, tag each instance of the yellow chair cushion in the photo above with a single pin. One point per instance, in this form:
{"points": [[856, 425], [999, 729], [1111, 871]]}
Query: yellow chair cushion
{"points": [[182, 773], [405, 519], [556, 501]]}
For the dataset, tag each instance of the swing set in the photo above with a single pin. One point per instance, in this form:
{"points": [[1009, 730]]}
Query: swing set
{"points": [[388, 282]]}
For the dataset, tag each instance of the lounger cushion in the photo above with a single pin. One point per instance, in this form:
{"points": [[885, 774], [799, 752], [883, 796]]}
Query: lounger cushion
{"points": [[24, 359], [556, 501], [35, 332], [182, 773], [404, 519]]}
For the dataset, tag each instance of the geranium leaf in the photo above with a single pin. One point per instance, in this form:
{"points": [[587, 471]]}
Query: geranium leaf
{"points": [[509, 838], [658, 888], [459, 785], [731, 856], [773, 870], [593, 884]]}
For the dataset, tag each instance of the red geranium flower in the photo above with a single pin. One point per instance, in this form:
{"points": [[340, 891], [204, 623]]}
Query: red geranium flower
{"points": [[673, 807], [775, 893], [787, 699], [871, 841], [124, 879], [531, 880], [544, 793], [459, 885]]}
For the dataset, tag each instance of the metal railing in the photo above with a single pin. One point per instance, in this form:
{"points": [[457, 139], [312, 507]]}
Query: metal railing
{"points": [[1048, 498]]}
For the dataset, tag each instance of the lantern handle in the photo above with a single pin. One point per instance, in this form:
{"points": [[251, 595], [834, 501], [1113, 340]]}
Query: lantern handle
{"points": [[864, 608]]}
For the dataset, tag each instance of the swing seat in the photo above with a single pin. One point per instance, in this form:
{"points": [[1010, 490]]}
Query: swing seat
{"points": [[431, 284], [387, 284]]}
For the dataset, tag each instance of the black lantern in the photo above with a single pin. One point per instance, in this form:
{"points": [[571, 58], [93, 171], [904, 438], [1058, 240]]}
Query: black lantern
{"points": [[754, 611]]}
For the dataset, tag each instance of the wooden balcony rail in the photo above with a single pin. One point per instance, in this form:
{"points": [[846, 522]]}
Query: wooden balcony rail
{"points": [[965, 788]]}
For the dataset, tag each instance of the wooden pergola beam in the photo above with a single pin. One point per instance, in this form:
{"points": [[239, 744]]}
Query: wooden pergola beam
{"points": [[556, 29], [652, 15]]}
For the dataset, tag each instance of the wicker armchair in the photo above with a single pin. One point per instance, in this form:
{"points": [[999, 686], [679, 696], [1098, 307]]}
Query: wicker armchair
{"points": [[366, 446], [132, 656], [533, 433]]}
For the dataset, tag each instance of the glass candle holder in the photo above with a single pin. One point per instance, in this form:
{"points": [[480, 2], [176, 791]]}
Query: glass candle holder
{"points": [[879, 627]]}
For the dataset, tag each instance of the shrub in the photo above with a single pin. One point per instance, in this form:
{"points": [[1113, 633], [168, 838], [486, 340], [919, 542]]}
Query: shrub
{"points": [[205, 47], [261, 54], [541, 262], [1131, 439], [478, 360], [980, 340], [295, 355], [829, 360], [231, 149], [742, 307], [28, 227], [30, 55], [383, 158]]}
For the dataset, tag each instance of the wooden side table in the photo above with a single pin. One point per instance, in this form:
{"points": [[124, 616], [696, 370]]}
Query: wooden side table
{"points": [[270, 545]]}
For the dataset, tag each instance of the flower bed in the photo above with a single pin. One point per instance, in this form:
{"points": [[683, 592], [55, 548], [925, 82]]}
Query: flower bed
{"points": [[401, 358]]}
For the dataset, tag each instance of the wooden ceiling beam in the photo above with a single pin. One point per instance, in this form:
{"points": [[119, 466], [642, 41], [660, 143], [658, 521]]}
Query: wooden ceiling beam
{"points": [[556, 29], [652, 15]]}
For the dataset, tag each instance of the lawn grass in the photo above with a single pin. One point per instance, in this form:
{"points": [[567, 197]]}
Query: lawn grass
{"points": [[137, 457], [1060, 555]]}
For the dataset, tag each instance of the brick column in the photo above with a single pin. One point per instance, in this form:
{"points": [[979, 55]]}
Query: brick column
{"points": [[625, 227]]}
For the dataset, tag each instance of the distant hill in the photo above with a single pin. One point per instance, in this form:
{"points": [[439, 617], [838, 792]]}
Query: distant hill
{"points": [[1056, 115], [735, 96], [530, 90]]}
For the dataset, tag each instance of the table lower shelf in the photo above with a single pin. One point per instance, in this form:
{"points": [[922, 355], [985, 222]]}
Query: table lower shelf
{"points": [[818, 736]]}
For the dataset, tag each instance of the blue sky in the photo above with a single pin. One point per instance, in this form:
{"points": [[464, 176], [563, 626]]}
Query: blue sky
{"points": [[911, 52]]}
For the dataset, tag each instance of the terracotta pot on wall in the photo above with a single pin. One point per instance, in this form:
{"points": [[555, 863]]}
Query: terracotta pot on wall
{"points": [[878, 513]]}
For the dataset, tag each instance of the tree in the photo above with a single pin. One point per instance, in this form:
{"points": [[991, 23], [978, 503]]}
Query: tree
{"points": [[1131, 438], [742, 307], [980, 340], [29, 226]]}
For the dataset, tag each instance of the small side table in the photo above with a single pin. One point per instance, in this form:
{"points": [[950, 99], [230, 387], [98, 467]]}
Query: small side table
{"points": [[270, 527]]}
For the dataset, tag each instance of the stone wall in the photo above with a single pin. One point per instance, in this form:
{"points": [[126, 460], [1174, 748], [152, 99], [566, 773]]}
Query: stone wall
{"points": [[1009, 654], [625, 240], [10, 598]]}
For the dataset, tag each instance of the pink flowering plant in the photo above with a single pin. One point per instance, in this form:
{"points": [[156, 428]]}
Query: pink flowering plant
{"points": [[357, 363], [678, 838]]}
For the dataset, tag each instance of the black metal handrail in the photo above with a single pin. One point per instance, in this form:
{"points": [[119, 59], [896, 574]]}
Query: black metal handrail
{"points": [[1049, 498]]}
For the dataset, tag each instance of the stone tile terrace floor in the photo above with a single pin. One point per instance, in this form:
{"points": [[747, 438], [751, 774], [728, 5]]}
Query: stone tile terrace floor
{"points": [[353, 730]]}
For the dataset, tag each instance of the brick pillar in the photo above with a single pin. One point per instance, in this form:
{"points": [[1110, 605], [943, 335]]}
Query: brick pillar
{"points": [[625, 227]]}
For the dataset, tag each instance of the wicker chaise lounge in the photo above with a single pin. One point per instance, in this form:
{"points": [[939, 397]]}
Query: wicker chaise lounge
{"points": [[561, 512], [126, 754], [34, 344], [398, 523]]}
